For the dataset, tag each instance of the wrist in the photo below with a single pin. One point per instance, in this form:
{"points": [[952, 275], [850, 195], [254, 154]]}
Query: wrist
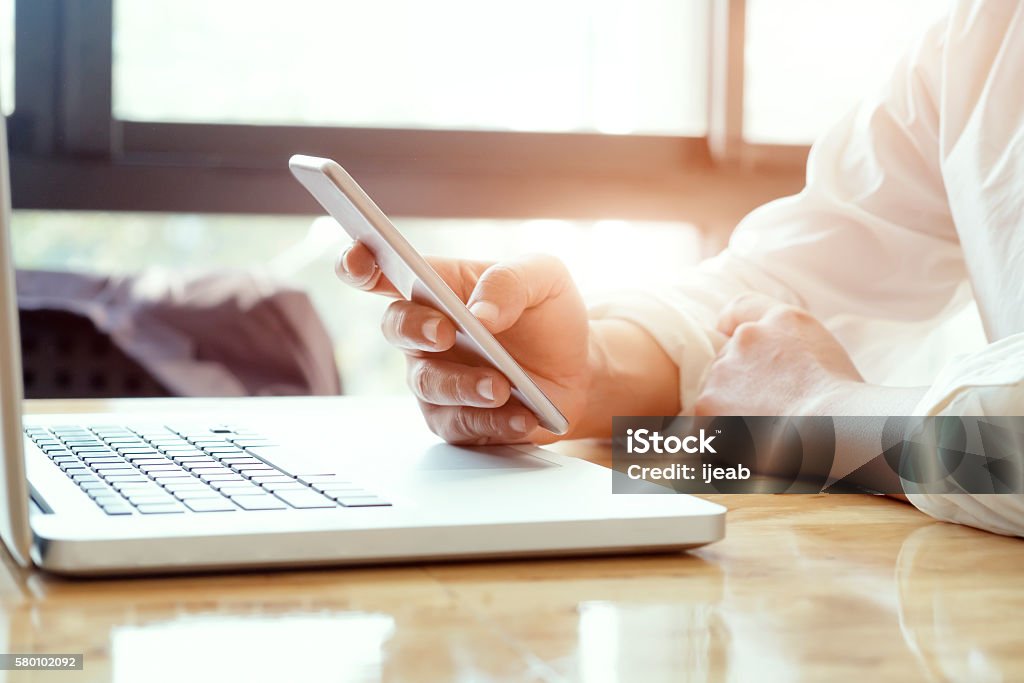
{"points": [[628, 373]]}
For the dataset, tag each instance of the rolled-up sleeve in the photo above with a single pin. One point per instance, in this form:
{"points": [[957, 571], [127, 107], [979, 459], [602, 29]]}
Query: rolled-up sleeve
{"points": [[985, 384]]}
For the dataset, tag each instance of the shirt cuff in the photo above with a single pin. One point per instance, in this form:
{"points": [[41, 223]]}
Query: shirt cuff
{"points": [[988, 383]]}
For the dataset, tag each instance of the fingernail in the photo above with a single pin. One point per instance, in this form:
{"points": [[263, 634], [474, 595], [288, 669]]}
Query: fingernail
{"points": [[485, 310], [340, 269], [430, 329], [485, 388], [517, 423]]}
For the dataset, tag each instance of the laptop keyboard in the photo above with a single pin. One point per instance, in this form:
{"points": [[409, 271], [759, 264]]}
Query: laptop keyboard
{"points": [[168, 470]]}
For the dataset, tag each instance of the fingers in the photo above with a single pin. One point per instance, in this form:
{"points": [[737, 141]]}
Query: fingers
{"points": [[746, 308], [414, 327], [511, 423], [357, 268], [444, 383], [506, 289]]}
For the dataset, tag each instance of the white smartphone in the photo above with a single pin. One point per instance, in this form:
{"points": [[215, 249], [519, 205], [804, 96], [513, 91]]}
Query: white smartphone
{"points": [[413, 277]]}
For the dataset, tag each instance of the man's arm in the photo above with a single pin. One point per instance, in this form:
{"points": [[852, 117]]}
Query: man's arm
{"points": [[869, 238]]}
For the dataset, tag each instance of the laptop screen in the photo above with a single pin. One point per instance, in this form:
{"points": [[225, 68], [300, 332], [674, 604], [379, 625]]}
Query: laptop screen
{"points": [[14, 526]]}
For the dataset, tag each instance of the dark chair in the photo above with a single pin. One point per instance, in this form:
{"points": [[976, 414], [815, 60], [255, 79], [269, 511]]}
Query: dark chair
{"points": [[63, 355]]}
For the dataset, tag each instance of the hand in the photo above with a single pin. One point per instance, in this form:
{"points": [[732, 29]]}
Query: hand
{"points": [[533, 308], [779, 360]]}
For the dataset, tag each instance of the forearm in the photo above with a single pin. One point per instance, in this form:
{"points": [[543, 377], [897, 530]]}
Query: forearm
{"points": [[630, 374]]}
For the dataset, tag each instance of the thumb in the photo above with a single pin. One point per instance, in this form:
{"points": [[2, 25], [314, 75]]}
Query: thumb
{"points": [[506, 289]]}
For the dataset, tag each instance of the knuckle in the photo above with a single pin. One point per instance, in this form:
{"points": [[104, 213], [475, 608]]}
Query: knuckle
{"points": [[788, 315], [420, 379], [391, 321], [503, 277], [746, 334], [462, 388], [464, 423]]}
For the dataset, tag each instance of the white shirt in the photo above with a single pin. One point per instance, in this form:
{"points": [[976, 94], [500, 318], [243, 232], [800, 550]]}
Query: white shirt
{"points": [[912, 219]]}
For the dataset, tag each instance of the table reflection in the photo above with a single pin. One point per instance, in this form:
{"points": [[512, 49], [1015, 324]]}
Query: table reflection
{"points": [[802, 588], [271, 649], [959, 635]]}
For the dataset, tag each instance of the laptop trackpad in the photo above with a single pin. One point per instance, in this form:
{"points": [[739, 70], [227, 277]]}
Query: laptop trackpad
{"points": [[447, 457]]}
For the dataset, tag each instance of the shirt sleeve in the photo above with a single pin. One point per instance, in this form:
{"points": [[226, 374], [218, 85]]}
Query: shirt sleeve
{"points": [[870, 235], [985, 384]]}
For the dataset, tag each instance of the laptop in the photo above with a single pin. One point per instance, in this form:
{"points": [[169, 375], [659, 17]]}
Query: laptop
{"points": [[262, 485]]}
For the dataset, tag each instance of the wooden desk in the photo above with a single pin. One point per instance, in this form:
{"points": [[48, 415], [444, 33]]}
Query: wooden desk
{"points": [[803, 588]]}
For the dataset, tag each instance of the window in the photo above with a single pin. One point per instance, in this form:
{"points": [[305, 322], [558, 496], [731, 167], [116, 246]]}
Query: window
{"points": [[301, 250], [808, 62], [605, 66]]}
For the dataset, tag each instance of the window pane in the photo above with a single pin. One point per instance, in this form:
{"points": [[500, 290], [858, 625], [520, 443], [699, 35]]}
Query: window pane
{"points": [[301, 250], [810, 61], [614, 66], [7, 56]]}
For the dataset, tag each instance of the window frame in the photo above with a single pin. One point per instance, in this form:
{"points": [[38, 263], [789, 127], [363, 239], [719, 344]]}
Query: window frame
{"points": [[68, 152]]}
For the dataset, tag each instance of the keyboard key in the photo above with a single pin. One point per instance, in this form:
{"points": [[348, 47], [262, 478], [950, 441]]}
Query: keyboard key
{"points": [[149, 499], [117, 509], [237, 482], [236, 490], [210, 478], [248, 473], [225, 448], [108, 499], [210, 505], [93, 486], [189, 457], [126, 479], [139, 461], [197, 494], [242, 460], [174, 479], [165, 468], [161, 508], [71, 471], [112, 467], [197, 468], [273, 479], [79, 450], [363, 502], [138, 451], [199, 471], [258, 502], [336, 486], [305, 499], [84, 478], [137, 487], [289, 486]]}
